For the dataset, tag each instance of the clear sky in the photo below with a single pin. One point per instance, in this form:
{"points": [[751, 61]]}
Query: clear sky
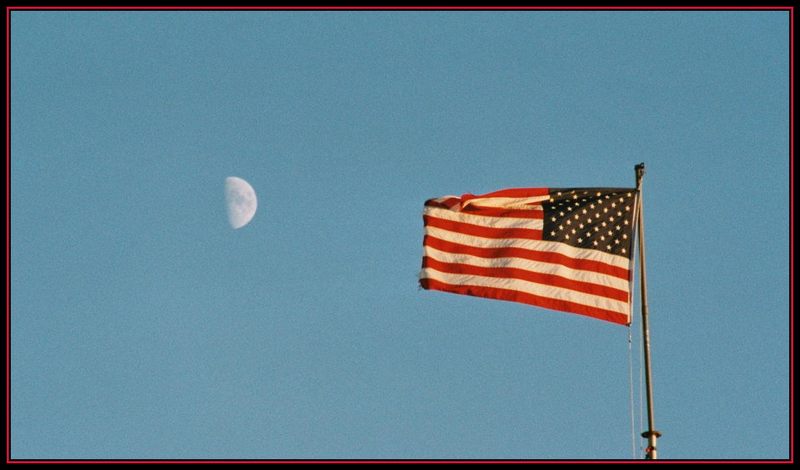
{"points": [[144, 326]]}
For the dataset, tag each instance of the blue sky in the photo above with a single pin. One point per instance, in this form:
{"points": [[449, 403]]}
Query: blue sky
{"points": [[144, 326]]}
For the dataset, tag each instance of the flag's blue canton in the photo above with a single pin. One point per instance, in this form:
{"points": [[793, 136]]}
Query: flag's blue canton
{"points": [[596, 218]]}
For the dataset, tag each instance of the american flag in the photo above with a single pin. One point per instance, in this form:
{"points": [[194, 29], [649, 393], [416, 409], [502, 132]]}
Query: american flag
{"points": [[562, 249]]}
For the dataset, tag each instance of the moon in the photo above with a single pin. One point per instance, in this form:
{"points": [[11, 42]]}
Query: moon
{"points": [[241, 202]]}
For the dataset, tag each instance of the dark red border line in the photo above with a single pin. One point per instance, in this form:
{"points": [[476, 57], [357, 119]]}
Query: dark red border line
{"points": [[9, 9]]}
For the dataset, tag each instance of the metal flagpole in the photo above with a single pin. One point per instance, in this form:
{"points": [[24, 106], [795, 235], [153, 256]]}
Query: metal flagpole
{"points": [[651, 434]]}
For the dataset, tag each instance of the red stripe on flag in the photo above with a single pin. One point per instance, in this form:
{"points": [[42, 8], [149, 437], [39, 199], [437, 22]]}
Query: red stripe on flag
{"points": [[525, 275], [501, 212], [448, 203], [481, 231], [512, 192], [543, 256], [526, 298]]}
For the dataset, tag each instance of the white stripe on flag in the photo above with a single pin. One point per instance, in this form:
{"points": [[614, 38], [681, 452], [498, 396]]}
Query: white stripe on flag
{"points": [[506, 202]]}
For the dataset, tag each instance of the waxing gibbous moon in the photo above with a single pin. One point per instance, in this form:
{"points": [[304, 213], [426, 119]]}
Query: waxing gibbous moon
{"points": [[240, 199]]}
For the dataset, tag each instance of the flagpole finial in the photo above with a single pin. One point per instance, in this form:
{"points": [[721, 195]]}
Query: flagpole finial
{"points": [[639, 169]]}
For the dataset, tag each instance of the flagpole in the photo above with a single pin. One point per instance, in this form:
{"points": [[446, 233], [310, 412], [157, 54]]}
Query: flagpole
{"points": [[651, 434]]}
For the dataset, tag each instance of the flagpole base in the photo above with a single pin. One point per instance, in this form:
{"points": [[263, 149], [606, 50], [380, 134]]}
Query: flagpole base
{"points": [[652, 436]]}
